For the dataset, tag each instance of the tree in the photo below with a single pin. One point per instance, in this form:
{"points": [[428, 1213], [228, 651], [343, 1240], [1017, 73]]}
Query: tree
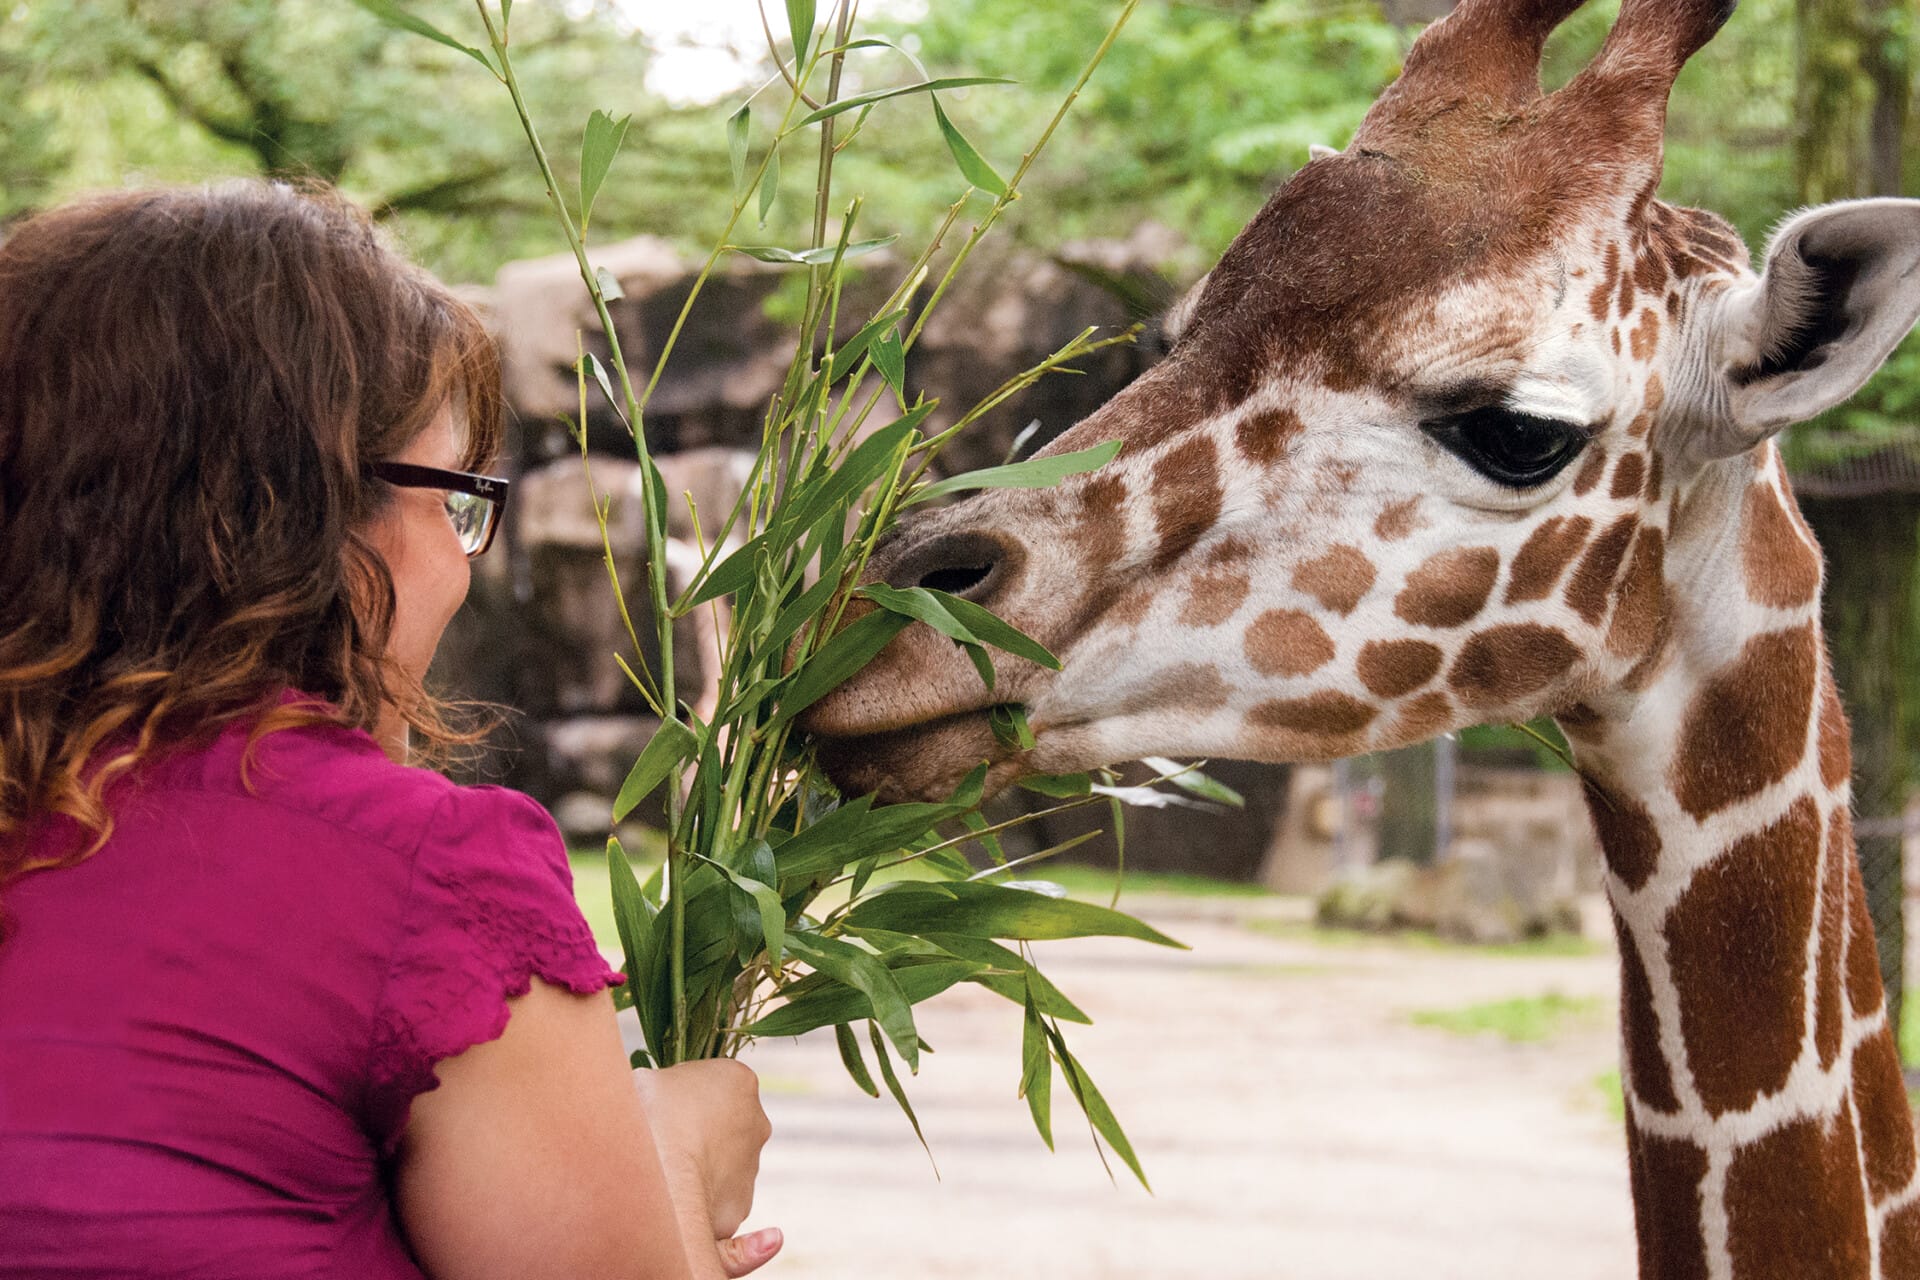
{"points": [[113, 91]]}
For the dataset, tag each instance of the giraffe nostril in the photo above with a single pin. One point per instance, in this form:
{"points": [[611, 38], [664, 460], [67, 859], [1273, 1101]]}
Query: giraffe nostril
{"points": [[972, 565], [957, 580]]}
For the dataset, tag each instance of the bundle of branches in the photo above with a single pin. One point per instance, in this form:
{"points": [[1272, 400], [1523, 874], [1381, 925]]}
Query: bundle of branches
{"points": [[782, 907]]}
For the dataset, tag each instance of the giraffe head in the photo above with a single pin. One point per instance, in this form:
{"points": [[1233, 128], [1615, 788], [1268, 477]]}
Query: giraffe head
{"points": [[1422, 453]]}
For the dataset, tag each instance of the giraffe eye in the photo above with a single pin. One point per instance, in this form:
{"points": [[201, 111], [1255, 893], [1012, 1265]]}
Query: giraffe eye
{"points": [[1513, 449]]}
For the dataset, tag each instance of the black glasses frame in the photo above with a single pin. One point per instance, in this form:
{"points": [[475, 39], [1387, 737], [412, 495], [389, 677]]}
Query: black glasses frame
{"points": [[494, 489]]}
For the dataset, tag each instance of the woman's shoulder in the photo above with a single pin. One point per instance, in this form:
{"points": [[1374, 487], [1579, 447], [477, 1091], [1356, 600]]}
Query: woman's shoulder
{"points": [[338, 776]]}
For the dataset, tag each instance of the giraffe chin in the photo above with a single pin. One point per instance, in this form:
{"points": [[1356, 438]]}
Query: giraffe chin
{"points": [[924, 762]]}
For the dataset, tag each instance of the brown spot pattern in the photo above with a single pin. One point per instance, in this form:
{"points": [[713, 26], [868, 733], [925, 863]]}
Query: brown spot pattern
{"points": [[1397, 521], [1263, 436], [1836, 746], [1601, 303], [1393, 668], [1507, 664], [1886, 1119], [1666, 1176], [1548, 551], [1186, 497], [1656, 397], [1900, 1243], [1422, 718], [1795, 1208], [1339, 579], [1450, 589], [1591, 470], [1781, 569], [1864, 988], [1627, 835], [1323, 715], [1628, 475], [1646, 335], [1747, 726], [1214, 595], [1829, 1013], [1592, 582], [1282, 642], [1640, 613], [1736, 944], [1647, 1068]]}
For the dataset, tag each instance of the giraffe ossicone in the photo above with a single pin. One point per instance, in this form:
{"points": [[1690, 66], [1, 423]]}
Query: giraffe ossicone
{"points": [[1468, 426]]}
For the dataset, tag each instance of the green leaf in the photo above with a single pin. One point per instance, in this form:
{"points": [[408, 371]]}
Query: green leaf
{"points": [[865, 463], [880, 95], [393, 15], [920, 604], [633, 917], [846, 357], [1059, 786], [973, 166], [770, 183], [994, 911], [609, 287], [853, 967], [838, 660], [771, 911], [733, 573], [1007, 973], [828, 1005], [800, 27], [1036, 1071], [890, 358], [599, 372], [812, 257], [597, 149], [1010, 729], [991, 630], [1189, 779], [1034, 473], [801, 610], [737, 128], [853, 1060], [854, 831], [1096, 1108], [899, 1094], [671, 743]]}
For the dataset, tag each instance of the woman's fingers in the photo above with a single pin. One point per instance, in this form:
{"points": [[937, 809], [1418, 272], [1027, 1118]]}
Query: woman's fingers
{"points": [[746, 1254]]}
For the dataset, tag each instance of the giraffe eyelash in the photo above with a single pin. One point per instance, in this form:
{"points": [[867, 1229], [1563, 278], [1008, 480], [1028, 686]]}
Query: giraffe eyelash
{"points": [[1513, 449]]}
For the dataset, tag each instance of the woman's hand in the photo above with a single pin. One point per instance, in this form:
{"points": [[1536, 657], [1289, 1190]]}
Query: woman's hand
{"points": [[709, 1127]]}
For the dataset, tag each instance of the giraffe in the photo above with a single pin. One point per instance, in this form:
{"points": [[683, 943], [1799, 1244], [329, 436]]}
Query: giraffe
{"points": [[1468, 426]]}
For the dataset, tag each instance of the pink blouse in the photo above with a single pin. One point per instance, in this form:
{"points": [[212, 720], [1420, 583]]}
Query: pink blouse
{"points": [[211, 1030]]}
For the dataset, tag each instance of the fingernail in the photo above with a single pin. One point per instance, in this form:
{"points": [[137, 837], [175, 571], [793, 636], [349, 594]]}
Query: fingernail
{"points": [[765, 1242]]}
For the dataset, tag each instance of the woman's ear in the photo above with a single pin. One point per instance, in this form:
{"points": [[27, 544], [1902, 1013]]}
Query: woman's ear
{"points": [[1840, 290]]}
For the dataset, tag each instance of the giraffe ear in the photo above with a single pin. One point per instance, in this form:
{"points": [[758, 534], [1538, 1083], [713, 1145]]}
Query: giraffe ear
{"points": [[1840, 291]]}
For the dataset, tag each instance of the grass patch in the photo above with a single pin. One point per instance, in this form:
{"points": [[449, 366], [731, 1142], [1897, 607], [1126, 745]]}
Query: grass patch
{"points": [[1525, 1020], [1545, 947]]}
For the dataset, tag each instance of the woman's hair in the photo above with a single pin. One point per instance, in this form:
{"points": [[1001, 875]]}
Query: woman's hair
{"points": [[192, 383]]}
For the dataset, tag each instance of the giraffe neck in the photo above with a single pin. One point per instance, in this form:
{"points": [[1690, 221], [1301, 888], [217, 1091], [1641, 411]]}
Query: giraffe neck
{"points": [[1768, 1127]]}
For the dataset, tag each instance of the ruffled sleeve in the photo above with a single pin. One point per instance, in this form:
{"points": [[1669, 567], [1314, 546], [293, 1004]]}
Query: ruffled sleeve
{"points": [[490, 907]]}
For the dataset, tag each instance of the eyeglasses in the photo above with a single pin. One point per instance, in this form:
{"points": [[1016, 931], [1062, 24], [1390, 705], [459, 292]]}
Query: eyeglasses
{"points": [[474, 502]]}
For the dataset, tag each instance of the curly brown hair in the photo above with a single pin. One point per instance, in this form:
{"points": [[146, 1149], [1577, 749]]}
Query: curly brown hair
{"points": [[192, 383]]}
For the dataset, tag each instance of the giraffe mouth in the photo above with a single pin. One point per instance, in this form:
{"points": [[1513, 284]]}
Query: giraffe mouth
{"points": [[925, 761]]}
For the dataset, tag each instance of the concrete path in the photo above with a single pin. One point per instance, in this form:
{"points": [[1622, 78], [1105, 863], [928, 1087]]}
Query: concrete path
{"points": [[1293, 1120]]}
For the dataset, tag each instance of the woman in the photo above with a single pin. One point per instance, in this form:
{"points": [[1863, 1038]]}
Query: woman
{"points": [[272, 1003]]}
